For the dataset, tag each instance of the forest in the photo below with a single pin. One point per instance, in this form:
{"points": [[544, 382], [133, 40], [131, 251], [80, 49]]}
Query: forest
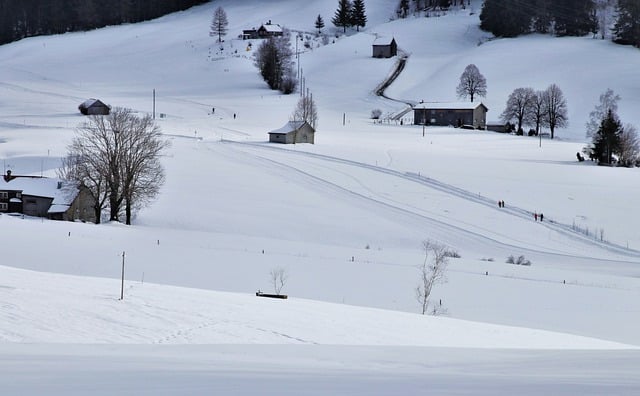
{"points": [[27, 18]]}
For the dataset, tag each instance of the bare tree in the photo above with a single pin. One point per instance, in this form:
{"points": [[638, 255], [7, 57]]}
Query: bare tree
{"points": [[608, 101], [518, 106], [306, 110], [116, 157], [472, 83], [555, 108], [219, 24], [536, 115], [629, 146], [278, 278], [432, 270]]}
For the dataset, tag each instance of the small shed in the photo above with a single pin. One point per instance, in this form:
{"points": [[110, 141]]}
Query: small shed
{"points": [[94, 107], [293, 132], [270, 30], [384, 48], [457, 114]]}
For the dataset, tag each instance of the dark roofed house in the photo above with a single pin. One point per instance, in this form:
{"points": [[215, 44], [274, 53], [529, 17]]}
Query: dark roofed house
{"points": [[248, 34], [293, 132], [54, 199], [270, 30], [457, 114], [384, 48], [94, 107]]}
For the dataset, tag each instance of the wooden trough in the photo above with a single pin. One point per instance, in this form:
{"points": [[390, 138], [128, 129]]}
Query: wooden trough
{"points": [[261, 294]]}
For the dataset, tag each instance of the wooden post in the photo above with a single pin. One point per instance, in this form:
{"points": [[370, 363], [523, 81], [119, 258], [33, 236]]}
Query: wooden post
{"points": [[122, 284]]}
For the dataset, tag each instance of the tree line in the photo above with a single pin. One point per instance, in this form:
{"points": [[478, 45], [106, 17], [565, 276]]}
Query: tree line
{"points": [[509, 18], [27, 18]]}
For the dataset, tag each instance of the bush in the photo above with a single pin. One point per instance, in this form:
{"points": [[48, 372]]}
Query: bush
{"points": [[532, 132], [376, 113], [521, 260]]}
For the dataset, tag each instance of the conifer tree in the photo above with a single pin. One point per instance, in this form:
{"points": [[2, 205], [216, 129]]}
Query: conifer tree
{"points": [[319, 23], [219, 24], [607, 140], [627, 27], [342, 17], [358, 17]]}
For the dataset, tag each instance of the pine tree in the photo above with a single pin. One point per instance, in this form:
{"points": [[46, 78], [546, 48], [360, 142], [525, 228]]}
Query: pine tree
{"points": [[574, 17], [342, 17], [503, 19], [607, 140], [319, 23], [219, 24], [627, 28], [358, 17]]}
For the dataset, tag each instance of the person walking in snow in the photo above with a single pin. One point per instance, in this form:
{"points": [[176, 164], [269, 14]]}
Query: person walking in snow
{"points": [[535, 216], [541, 216]]}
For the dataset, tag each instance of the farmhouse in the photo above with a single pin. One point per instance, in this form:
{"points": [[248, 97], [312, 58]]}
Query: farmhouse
{"points": [[293, 132], [94, 107], [269, 30], [384, 48], [451, 113], [44, 197]]}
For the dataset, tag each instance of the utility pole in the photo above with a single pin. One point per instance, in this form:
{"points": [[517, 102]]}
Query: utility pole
{"points": [[154, 103], [122, 284]]}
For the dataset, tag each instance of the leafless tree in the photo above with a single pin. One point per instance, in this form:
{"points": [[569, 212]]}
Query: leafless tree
{"points": [[608, 101], [306, 110], [117, 158], [536, 115], [278, 278], [555, 108], [432, 270], [472, 83], [219, 23], [518, 106], [629, 146]]}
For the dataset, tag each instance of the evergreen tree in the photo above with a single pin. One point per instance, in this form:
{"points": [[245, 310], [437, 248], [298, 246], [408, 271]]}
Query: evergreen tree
{"points": [[627, 28], [219, 24], [574, 17], [358, 17], [342, 17], [606, 141], [503, 19], [403, 9], [319, 23]]}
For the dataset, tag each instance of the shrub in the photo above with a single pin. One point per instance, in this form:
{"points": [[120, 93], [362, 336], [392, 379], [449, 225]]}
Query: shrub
{"points": [[521, 260], [376, 113]]}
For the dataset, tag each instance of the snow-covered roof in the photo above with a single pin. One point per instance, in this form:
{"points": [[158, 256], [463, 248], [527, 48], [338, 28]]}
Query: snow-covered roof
{"points": [[62, 192], [289, 127], [90, 102], [271, 28], [449, 105], [383, 41]]}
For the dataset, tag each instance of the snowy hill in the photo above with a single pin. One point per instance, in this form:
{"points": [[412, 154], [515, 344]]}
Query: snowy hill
{"points": [[344, 217]]}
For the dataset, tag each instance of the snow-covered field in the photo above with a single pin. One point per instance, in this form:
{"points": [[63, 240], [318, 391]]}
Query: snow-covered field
{"points": [[344, 217]]}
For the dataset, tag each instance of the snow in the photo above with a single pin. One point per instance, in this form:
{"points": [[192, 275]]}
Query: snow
{"points": [[344, 217]]}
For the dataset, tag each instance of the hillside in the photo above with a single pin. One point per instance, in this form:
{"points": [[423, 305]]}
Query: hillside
{"points": [[344, 217]]}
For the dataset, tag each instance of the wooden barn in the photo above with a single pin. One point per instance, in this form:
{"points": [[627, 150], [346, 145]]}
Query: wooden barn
{"points": [[94, 107], [384, 48], [457, 114], [293, 132]]}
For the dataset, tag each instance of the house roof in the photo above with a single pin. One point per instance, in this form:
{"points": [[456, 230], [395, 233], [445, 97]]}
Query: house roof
{"points": [[290, 126], [92, 102], [383, 41], [271, 28], [63, 192], [449, 105]]}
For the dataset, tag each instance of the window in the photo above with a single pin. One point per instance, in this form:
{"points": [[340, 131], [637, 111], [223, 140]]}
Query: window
{"points": [[3, 207], [4, 195]]}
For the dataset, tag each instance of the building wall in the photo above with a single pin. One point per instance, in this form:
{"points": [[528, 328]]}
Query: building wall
{"points": [[35, 206], [305, 134], [455, 117]]}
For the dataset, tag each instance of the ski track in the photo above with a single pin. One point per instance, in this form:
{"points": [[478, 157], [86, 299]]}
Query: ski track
{"points": [[428, 182]]}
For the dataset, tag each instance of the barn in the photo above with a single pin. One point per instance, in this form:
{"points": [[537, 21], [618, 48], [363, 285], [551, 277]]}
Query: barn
{"points": [[94, 107], [293, 132], [384, 48], [457, 114]]}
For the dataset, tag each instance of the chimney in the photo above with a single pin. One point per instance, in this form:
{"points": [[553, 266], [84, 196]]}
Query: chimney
{"points": [[8, 177]]}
